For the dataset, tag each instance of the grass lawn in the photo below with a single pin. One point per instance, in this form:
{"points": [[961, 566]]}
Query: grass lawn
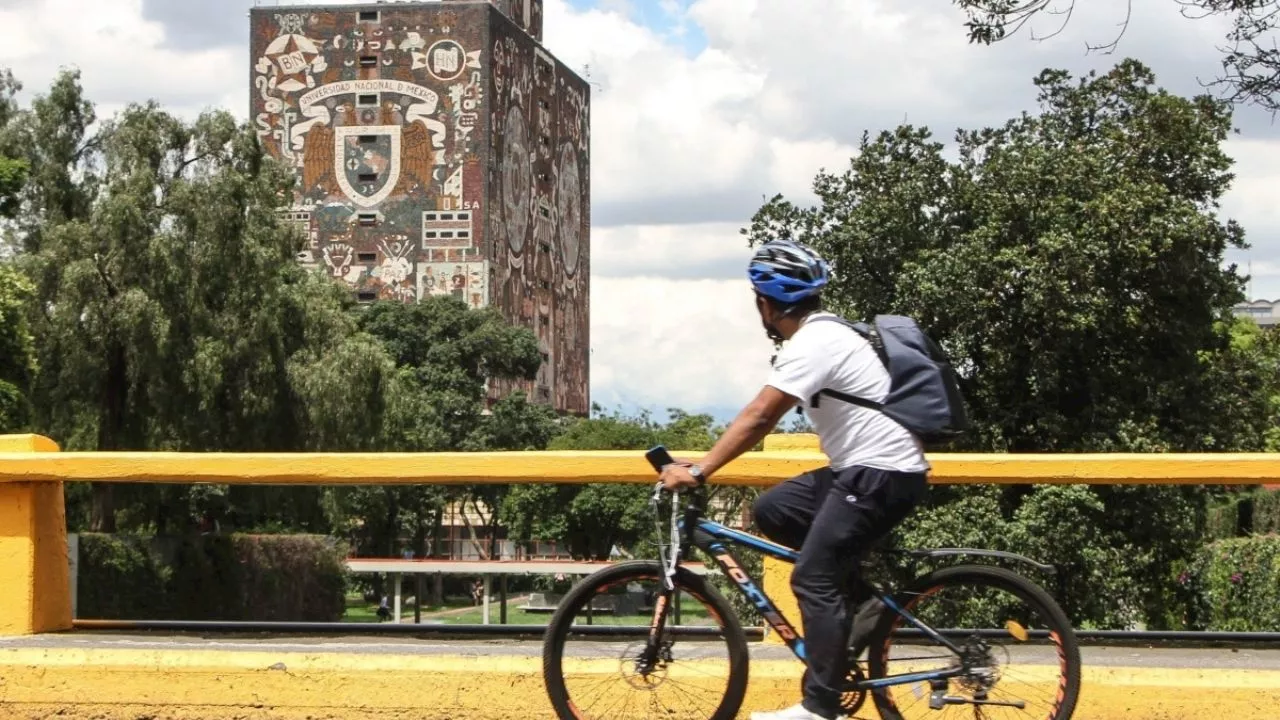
{"points": [[690, 611], [359, 611]]}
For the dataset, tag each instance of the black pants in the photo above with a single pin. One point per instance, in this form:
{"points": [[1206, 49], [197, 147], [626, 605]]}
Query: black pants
{"points": [[833, 518]]}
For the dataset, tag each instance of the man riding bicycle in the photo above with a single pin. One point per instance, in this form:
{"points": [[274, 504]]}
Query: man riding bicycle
{"points": [[877, 471]]}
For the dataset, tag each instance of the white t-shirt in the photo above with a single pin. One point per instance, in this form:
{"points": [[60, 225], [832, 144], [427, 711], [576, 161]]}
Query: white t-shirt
{"points": [[832, 356]]}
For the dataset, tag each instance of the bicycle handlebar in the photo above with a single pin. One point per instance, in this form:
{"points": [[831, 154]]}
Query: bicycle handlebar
{"points": [[659, 458]]}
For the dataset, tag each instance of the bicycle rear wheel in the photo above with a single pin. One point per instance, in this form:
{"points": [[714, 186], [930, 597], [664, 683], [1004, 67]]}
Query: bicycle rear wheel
{"points": [[596, 636], [1017, 647]]}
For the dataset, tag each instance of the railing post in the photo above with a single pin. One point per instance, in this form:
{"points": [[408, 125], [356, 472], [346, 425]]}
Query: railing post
{"points": [[35, 592]]}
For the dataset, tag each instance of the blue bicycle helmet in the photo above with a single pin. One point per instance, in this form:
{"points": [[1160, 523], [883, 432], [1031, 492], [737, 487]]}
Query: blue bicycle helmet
{"points": [[787, 271]]}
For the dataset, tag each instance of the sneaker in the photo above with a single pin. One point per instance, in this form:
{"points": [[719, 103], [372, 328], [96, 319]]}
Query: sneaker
{"points": [[795, 712]]}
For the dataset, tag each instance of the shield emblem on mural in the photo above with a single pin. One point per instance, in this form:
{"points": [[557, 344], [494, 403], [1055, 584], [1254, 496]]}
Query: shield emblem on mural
{"points": [[367, 160]]}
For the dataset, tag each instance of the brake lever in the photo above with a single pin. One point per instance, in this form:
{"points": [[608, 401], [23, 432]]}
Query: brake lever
{"points": [[657, 495]]}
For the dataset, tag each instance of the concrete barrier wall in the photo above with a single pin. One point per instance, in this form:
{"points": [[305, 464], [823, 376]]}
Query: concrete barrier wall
{"points": [[34, 592]]}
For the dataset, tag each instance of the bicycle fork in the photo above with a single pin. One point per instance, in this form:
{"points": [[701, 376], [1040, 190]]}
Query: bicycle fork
{"points": [[655, 650]]}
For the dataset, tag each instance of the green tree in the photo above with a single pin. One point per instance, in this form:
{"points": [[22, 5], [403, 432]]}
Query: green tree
{"points": [[442, 351], [17, 352], [591, 520], [172, 313], [13, 170], [1070, 261], [1250, 60]]}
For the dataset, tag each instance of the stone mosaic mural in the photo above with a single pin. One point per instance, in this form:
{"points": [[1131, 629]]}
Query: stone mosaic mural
{"points": [[440, 150]]}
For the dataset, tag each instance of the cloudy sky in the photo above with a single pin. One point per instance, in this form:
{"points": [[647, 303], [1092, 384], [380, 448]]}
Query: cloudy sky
{"points": [[701, 109]]}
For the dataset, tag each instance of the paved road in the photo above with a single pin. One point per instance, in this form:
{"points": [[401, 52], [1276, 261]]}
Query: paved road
{"points": [[1195, 658]]}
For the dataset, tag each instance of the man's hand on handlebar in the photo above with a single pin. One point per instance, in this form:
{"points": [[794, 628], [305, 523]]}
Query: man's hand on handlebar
{"points": [[676, 476]]}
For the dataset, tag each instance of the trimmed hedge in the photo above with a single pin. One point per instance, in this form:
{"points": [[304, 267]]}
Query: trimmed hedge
{"points": [[1253, 512], [1234, 585], [1266, 512], [212, 577], [121, 578]]}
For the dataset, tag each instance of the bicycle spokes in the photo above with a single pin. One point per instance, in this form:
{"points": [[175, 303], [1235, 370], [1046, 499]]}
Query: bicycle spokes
{"points": [[1008, 664], [669, 654]]}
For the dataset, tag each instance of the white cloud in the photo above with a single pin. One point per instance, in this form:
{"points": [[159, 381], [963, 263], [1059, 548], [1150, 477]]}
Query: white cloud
{"points": [[689, 344], [121, 56], [1254, 194], [669, 141], [671, 252]]}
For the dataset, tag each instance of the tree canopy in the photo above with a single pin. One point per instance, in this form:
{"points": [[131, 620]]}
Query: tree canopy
{"points": [[1071, 262], [169, 312]]}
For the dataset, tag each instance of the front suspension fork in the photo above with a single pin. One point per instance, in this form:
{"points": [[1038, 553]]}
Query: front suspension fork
{"points": [[665, 605]]}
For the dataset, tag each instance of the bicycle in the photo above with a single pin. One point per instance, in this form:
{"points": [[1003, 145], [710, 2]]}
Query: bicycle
{"points": [[974, 664]]}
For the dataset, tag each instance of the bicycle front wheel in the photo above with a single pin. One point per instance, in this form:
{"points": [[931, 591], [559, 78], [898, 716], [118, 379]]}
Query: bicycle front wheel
{"points": [[593, 645], [1018, 656]]}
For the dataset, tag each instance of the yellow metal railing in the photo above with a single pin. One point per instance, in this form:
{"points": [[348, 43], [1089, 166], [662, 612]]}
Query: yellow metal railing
{"points": [[34, 594]]}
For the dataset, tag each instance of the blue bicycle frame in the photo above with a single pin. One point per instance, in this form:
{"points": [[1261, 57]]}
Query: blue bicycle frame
{"points": [[715, 539]]}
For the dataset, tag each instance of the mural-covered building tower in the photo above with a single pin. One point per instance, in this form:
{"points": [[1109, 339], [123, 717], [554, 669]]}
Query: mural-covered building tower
{"points": [[440, 150]]}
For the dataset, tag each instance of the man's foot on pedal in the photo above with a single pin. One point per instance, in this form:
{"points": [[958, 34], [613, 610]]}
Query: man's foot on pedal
{"points": [[795, 712]]}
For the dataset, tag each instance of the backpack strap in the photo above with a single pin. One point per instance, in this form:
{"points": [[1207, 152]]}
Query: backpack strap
{"points": [[851, 399], [870, 335]]}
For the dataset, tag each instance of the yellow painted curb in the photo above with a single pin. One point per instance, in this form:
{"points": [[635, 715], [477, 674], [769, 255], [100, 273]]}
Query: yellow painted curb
{"points": [[113, 683]]}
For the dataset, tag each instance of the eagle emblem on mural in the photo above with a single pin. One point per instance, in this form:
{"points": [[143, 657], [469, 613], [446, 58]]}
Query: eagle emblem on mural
{"points": [[367, 163]]}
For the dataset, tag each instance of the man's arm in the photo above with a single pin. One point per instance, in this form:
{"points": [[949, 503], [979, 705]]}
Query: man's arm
{"points": [[750, 426], [756, 420]]}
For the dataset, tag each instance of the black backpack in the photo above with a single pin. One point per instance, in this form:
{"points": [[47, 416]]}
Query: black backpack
{"points": [[924, 395]]}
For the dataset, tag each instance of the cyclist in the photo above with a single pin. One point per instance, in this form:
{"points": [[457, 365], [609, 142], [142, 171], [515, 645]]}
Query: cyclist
{"points": [[877, 471]]}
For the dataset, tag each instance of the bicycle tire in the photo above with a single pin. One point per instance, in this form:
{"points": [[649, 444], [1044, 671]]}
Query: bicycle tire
{"points": [[686, 581], [1067, 645]]}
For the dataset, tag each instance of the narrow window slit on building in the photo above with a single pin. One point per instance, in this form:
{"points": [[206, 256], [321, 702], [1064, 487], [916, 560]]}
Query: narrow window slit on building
{"points": [[367, 219], [368, 16], [367, 257], [366, 296], [368, 61], [368, 177], [368, 100], [368, 139]]}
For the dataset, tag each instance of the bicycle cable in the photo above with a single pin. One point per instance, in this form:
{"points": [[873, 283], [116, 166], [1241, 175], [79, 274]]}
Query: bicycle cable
{"points": [[668, 564]]}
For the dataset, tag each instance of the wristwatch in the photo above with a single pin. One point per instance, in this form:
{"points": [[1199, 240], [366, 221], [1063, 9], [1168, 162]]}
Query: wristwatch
{"points": [[696, 472]]}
